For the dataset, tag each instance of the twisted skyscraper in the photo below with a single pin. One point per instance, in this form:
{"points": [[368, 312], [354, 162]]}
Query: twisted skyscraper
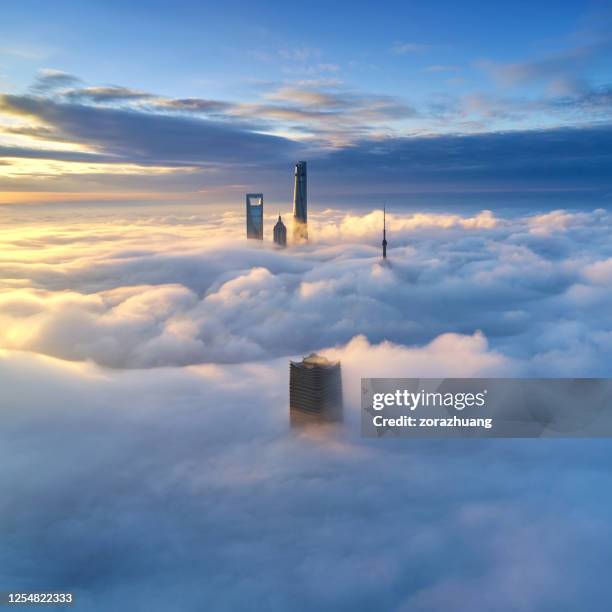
{"points": [[300, 207]]}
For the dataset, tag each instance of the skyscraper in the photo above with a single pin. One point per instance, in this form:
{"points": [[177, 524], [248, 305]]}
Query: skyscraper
{"points": [[254, 215], [315, 389], [384, 241], [280, 233], [300, 206]]}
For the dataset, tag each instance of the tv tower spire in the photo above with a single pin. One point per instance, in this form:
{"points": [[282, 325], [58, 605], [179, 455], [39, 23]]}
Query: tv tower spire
{"points": [[384, 241]]}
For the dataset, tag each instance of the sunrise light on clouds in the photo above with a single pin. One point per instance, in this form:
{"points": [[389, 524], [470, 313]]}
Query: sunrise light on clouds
{"points": [[217, 219]]}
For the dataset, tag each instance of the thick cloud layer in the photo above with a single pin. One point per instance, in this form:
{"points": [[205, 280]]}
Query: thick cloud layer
{"points": [[559, 161], [212, 145], [147, 138], [173, 480], [131, 293], [162, 489]]}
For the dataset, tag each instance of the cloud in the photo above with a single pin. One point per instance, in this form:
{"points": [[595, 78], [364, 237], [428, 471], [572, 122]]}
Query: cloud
{"points": [[328, 113], [404, 48], [345, 103], [559, 221], [138, 124], [582, 98], [27, 51], [18, 166], [191, 292], [198, 105], [108, 93], [141, 136], [568, 64], [143, 351], [153, 487], [556, 66], [385, 146], [551, 167], [173, 474], [600, 272], [50, 80], [562, 162], [309, 97]]}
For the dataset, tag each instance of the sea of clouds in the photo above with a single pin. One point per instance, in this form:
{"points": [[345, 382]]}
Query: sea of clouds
{"points": [[145, 451]]}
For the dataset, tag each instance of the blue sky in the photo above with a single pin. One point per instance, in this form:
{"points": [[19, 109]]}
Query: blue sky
{"points": [[219, 46], [295, 82]]}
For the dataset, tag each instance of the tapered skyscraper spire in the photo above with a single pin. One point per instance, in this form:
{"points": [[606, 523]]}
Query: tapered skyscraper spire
{"points": [[300, 206], [384, 241], [280, 233]]}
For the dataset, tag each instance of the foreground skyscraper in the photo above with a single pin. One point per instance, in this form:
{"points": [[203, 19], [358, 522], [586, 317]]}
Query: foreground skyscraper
{"points": [[280, 233], [315, 390], [300, 205], [254, 215]]}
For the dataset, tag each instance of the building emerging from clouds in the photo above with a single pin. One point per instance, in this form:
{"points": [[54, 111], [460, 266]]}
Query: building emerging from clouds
{"points": [[254, 215], [300, 206], [280, 233], [315, 390], [384, 240]]}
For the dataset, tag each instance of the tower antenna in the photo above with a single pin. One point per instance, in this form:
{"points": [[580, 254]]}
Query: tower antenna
{"points": [[384, 241]]}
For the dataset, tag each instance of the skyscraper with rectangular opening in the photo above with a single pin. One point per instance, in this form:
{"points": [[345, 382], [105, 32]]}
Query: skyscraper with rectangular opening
{"points": [[300, 205], [254, 215]]}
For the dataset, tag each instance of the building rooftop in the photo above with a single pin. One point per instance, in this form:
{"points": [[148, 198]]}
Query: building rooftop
{"points": [[315, 360]]}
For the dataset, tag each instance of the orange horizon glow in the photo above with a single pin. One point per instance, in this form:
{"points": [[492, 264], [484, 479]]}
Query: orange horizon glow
{"points": [[44, 197]]}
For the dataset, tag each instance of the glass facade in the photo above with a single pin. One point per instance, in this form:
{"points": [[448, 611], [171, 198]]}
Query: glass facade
{"points": [[254, 215]]}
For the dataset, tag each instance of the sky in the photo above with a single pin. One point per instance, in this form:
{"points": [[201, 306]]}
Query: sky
{"points": [[437, 104]]}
